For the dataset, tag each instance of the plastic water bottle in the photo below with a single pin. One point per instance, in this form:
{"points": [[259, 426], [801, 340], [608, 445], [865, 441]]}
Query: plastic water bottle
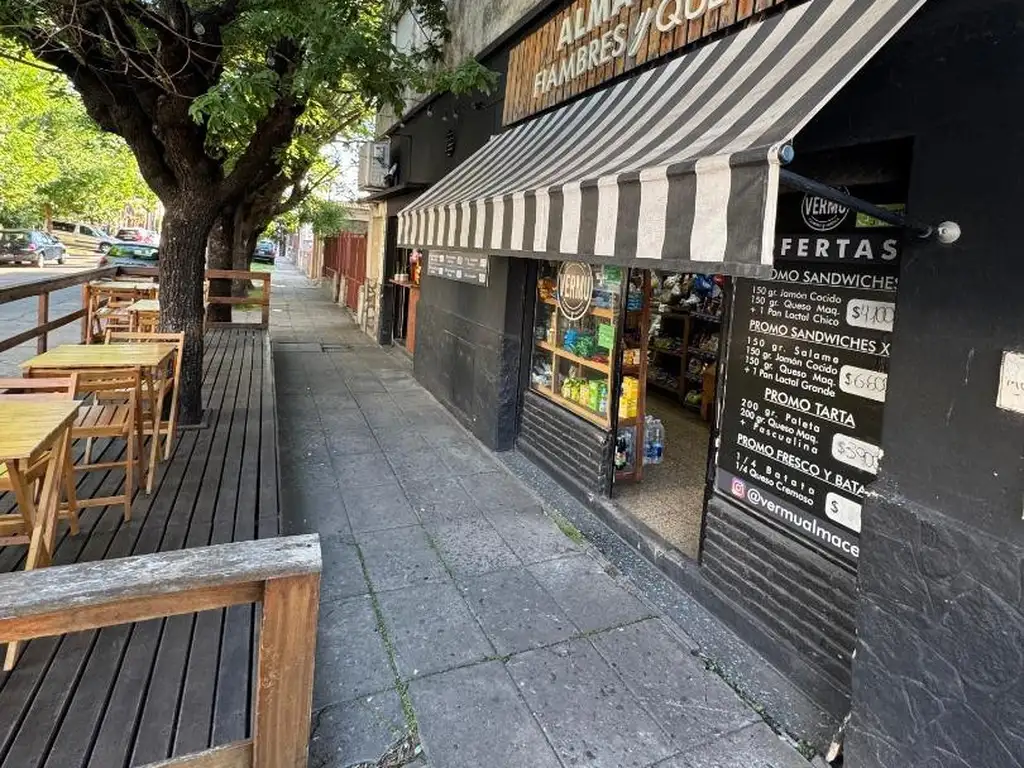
{"points": [[658, 447], [649, 427]]}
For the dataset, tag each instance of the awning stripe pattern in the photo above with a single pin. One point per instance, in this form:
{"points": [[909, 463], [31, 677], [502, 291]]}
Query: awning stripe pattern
{"points": [[677, 167]]}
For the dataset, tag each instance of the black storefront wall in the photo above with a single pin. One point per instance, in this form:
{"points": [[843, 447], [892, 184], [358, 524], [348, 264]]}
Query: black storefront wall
{"points": [[468, 347], [938, 675], [939, 616], [800, 428], [468, 337]]}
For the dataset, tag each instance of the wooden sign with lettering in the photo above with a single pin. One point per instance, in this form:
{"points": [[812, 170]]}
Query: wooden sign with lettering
{"points": [[593, 41]]}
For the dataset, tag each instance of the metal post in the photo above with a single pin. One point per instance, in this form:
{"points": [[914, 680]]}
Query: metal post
{"points": [[42, 318], [802, 183]]}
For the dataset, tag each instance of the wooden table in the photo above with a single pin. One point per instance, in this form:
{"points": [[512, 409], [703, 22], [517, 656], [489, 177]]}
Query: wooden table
{"points": [[148, 357], [145, 305], [31, 428], [126, 285], [80, 357], [145, 314]]}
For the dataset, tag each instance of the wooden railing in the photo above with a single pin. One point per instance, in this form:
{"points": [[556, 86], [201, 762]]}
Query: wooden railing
{"points": [[41, 289], [283, 574], [263, 300]]}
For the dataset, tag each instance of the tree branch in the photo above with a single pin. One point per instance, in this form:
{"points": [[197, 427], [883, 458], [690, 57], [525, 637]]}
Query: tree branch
{"points": [[27, 63]]}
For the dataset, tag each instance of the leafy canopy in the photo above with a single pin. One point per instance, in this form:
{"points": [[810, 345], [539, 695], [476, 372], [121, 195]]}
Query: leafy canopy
{"points": [[326, 217], [265, 83], [52, 154]]}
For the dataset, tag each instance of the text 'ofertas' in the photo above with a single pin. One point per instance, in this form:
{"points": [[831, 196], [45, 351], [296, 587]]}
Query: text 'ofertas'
{"points": [[617, 41]]}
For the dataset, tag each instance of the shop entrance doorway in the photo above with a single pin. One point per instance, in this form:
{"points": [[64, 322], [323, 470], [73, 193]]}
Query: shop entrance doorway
{"points": [[662, 457]]}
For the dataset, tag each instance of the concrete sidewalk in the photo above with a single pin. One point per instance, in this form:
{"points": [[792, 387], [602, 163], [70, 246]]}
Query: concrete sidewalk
{"points": [[456, 613]]}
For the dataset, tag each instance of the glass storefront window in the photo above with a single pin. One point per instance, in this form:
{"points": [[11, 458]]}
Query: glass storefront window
{"points": [[574, 337]]}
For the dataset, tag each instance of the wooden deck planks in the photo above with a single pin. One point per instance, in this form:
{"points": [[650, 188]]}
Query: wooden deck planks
{"points": [[129, 695]]}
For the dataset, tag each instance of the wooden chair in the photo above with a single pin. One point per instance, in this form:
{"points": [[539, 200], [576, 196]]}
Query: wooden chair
{"points": [[108, 310], [141, 322], [154, 424], [115, 413], [44, 389]]}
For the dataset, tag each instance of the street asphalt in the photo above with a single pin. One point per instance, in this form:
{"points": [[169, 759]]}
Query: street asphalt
{"points": [[20, 315]]}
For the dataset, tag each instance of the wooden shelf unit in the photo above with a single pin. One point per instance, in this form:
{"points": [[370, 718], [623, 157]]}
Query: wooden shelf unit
{"points": [[558, 353], [567, 355]]}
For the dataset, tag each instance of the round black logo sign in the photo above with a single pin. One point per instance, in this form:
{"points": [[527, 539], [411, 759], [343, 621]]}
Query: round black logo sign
{"points": [[823, 215], [575, 289]]}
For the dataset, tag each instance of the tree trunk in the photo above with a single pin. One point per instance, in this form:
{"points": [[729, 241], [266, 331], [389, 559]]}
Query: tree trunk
{"points": [[220, 257], [182, 272], [242, 249]]}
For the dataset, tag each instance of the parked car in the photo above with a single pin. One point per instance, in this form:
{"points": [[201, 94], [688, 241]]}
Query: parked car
{"points": [[138, 235], [266, 251], [82, 237], [132, 255], [32, 246]]}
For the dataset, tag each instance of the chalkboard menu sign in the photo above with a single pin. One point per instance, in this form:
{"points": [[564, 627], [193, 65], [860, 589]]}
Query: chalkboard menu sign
{"points": [[464, 267], [808, 361]]}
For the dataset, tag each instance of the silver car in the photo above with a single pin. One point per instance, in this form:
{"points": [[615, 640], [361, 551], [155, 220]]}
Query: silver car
{"points": [[82, 237]]}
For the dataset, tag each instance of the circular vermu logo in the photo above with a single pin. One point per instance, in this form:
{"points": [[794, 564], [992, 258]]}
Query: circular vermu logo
{"points": [[823, 215], [575, 289]]}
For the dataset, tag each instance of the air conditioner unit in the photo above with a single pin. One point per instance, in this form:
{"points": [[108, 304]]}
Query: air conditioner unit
{"points": [[374, 164]]}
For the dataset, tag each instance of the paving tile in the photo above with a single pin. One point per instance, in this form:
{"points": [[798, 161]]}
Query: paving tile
{"points": [[400, 383], [356, 731], [466, 457], [387, 422], [471, 546], [587, 594], [755, 746], [472, 717], [691, 703], [360, 382], [418, 465], [515, 612], [344, 421], [348, 442], [378, 507], [334, 400], [493, 490], [362, 470], [531, 534], [342, 575], [589, 716], [432, 629], [350, 656], [400, 557], [312, 505], [443, 433], [439, 499], [403, 441]]}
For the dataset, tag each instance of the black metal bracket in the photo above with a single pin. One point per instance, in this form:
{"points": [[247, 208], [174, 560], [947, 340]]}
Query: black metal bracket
{"points": [[802, 183]]}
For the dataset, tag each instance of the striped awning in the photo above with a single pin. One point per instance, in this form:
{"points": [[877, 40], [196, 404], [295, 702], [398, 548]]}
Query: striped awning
{"points": [[676, 168]]}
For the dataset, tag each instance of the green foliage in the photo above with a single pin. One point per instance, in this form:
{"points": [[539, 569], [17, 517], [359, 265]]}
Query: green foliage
{"points": [[51, 153], [334, 57], [326, 217]]}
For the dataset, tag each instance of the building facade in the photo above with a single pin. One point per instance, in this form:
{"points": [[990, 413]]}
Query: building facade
{"points": [[701, 275]]}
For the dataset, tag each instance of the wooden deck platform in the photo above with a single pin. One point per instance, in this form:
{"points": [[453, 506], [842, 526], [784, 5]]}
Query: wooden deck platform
{"points": [[136, 694]]}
